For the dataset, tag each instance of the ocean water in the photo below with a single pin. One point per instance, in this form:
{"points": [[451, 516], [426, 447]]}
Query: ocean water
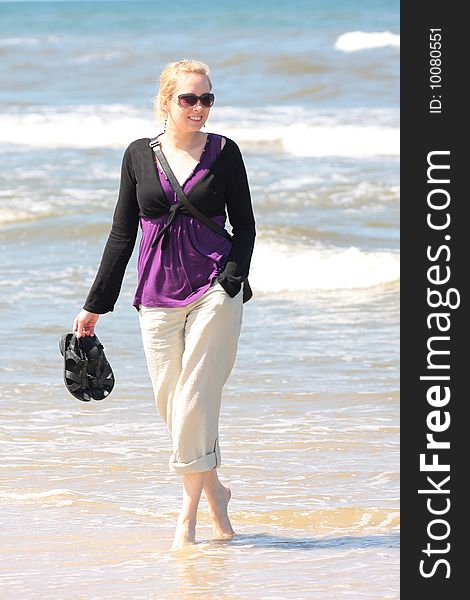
{"points": [[310, 415]]}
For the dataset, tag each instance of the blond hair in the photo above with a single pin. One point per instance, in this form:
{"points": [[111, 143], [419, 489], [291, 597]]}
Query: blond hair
{"points": [[169, 81]]}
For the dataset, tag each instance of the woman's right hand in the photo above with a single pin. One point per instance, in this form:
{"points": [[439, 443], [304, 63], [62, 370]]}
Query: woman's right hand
{"points": [[84, 323]]}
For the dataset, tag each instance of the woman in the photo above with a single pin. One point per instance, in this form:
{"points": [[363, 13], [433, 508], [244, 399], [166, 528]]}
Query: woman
{"points": [[191, 281]]}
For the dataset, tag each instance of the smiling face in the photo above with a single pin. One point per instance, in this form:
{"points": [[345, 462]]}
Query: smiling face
{"points": [[193, 118]]}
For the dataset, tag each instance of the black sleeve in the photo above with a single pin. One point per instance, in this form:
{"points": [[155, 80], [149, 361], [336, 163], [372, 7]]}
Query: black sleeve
{"points": [[121, 241], [240, 214]]}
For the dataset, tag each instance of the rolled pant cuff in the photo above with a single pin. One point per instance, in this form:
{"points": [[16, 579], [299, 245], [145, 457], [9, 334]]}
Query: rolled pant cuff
{"points": [[204, 463]]}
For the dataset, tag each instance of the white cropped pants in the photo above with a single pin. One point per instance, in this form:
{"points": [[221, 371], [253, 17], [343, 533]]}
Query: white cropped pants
{"points": [[190, 352]]}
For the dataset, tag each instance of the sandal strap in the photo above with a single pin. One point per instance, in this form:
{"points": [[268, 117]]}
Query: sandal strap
{"points": [[73, 377]]}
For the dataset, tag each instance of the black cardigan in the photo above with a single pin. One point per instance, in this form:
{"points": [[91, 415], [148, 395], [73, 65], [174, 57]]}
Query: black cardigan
{"points": [[141, 194]]}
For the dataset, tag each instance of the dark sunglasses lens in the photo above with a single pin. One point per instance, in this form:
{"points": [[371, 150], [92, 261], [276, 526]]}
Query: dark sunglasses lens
{"points": [[188, 100], [207, 100]]}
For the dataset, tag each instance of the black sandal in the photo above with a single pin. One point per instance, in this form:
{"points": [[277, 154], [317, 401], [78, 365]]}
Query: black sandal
{"points": [[87, 372], [75, 367], [100, 374]]}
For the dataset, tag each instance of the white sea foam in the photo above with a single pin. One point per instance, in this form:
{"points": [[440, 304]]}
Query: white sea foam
{"points": [[16, 215], [18, 206], [321, 140], [83, 126], [347, 140], [28, 41], [57, 492], [290, 183], [301, 132], [280, 267], [19, 41], [98, 56], [304, 132], [366, 194], [352, 41]]}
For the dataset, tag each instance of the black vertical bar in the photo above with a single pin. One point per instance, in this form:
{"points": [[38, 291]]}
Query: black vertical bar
{"points": [[434, 261]]}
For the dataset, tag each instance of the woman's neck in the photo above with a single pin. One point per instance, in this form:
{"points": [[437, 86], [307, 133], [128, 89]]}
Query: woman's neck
{"points": [[180, 140]]}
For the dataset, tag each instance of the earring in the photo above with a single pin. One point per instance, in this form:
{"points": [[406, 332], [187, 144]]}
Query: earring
{"points": [[164, 124]]}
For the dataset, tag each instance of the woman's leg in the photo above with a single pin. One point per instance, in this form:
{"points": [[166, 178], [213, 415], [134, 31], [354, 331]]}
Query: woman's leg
{"points": [[218, 497], [186, 525], [210, 344], [163, 342], [194, 348]]}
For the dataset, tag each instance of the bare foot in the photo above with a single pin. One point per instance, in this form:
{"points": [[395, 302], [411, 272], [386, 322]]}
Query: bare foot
{"points": [[221, 526], [185, 534]]}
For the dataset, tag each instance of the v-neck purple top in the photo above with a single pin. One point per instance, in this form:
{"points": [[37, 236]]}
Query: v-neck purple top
{"points": [[193, 256]]}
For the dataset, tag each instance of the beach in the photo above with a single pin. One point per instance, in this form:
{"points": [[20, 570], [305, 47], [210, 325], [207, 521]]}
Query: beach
{"points": [[309, 425]]}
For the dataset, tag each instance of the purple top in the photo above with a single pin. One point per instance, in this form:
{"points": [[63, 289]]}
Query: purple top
{"points": [[194, 255]]}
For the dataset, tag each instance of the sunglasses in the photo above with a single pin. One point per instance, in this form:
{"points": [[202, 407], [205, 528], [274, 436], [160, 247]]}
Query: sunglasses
{"points": [[189, 100]]}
